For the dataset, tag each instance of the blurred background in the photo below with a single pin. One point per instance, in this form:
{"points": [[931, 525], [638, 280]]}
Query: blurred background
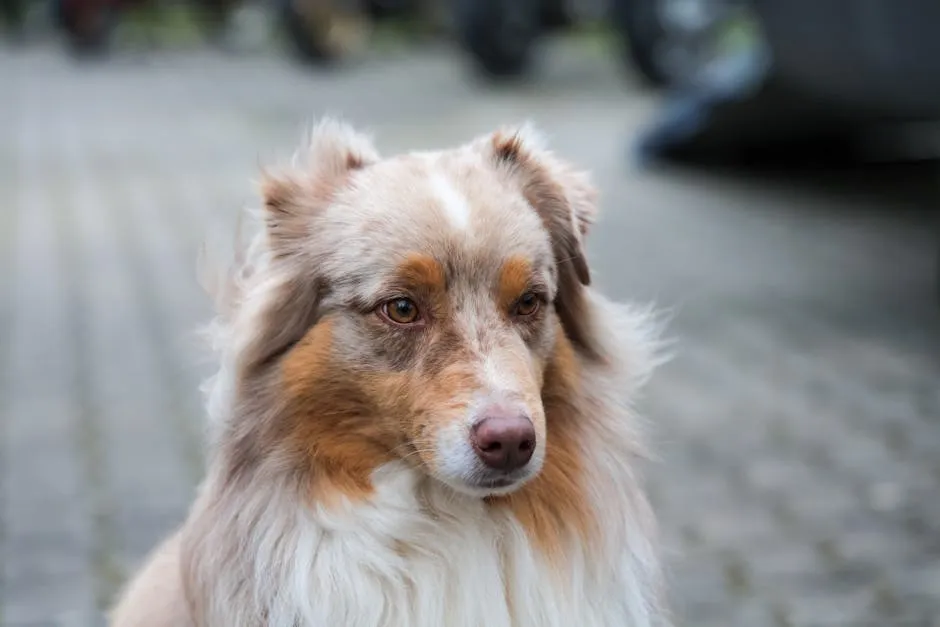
{"points": [[770, 181]]}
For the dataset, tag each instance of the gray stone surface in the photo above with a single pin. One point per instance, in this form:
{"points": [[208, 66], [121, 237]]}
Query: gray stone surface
{"points": [[798, 427]]}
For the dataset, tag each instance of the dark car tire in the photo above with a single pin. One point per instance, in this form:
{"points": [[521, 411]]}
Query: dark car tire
{"points": [[499, 35], [388, 9], [86, 40], [555, 15], [303, 39], [640, 31]]}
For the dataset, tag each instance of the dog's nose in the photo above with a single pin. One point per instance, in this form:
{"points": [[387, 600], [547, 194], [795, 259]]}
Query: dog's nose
{"points": [[504, 441]]}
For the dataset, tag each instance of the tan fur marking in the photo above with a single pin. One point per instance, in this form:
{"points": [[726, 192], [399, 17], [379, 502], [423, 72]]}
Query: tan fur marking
{"points": [[553, 507], [331, 424], [434, 402], [341, 425], [514, 277], [422, 271]]}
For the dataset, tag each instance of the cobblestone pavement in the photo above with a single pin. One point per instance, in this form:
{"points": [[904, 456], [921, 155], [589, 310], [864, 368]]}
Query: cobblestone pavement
{"points": [[798, 427]]}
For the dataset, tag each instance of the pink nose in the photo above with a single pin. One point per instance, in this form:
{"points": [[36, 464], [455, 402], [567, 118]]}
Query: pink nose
{"points": [[504, 441]]}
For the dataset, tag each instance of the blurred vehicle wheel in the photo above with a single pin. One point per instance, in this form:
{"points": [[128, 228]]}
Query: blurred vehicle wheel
{"points": [[638, 26], [663, 38], [215, 17], [555, 14], [499, 34], [87, 24], [388, 9], [321, 32]]}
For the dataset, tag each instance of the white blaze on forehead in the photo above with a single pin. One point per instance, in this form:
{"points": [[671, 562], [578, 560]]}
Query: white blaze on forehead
{"points": [[453, 204]]}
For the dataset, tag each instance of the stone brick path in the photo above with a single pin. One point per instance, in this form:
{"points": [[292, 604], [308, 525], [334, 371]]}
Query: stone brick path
{"points": [[798, 427]]}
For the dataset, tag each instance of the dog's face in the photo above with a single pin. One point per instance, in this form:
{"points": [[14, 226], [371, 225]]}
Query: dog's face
{"points": [[423, 299]]}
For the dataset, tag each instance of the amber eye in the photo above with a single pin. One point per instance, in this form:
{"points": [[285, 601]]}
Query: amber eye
{"points": [[401, 311], [527, 305]]}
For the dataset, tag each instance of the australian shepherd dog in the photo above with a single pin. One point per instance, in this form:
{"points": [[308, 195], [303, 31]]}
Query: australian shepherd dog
{"points": [[422, 415]]}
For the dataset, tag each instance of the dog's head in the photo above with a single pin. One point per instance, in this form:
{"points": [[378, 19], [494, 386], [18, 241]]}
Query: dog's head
{"points": [[414, 308]]}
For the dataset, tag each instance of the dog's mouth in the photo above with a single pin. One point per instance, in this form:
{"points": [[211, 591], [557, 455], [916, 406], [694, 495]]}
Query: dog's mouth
{"points": [[502, 482], [493, 484]]}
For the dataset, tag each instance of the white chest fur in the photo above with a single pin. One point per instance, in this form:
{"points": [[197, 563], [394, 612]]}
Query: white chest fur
{"points": [[416, 557]]}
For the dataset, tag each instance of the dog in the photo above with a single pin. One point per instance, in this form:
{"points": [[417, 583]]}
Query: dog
{"points": [[424, 415]]}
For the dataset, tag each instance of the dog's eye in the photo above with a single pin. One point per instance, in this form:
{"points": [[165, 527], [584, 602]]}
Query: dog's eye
{"points": [[401, 311], [527, 305]]}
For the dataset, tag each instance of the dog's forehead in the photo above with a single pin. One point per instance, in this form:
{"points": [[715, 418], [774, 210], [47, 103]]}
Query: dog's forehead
{"points": [[451, 206]]}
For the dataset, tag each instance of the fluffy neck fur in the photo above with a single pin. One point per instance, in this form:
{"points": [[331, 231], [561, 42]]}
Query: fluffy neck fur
{"points": [[257, 552]]}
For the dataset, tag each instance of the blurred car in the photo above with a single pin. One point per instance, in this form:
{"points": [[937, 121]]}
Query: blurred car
{"points": [[761, 73], [500, 35], [810, 80], [858, 61], [660, 38]]}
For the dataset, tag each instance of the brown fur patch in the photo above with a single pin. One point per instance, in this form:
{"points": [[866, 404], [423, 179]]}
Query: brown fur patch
{"points": [[422, 272], [430, 402], [342, 423], [355, 161], [508, 148], [332, 428], [514, 278], [552, 507]]}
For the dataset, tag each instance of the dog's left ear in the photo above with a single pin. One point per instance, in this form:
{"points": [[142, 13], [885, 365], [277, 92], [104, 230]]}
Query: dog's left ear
{"points": [[285, 303], [566, 201], [292, 199]]}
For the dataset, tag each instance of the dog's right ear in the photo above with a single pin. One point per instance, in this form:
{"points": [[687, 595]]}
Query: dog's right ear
{"points": [[566, 201], [283, 298], [292, 199]]}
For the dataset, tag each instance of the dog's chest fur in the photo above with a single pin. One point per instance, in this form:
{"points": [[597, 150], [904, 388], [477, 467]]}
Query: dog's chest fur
{"points": [[419, 557], [415, 554]]}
